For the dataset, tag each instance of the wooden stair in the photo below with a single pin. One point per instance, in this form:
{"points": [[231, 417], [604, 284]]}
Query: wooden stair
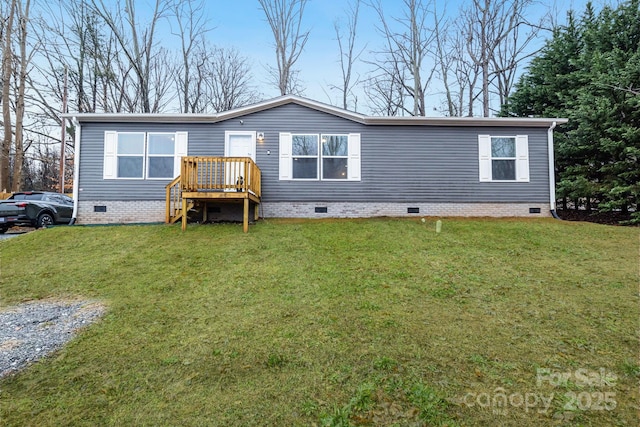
{"points": [[206, 179], [174, 202], [178, 213]]}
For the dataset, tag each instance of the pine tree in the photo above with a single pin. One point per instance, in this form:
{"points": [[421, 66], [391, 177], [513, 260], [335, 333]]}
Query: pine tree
{"points": [[589, 72]]}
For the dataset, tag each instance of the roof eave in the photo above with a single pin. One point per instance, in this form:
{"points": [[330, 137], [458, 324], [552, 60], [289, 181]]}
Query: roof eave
{"points": [[465, 121], [136, 117], [319, 106]]}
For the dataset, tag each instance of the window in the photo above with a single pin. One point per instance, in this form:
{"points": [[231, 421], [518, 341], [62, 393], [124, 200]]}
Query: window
{"points": [[335, 156], [60, 199], [160, 153], [29, 196], [320, 156], [504, 158], [140, 155], [305, 156], [130, 155], [66, 199]]}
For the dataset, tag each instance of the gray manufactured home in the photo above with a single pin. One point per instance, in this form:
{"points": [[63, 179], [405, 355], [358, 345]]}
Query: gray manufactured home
{"points": [[294, 157]]}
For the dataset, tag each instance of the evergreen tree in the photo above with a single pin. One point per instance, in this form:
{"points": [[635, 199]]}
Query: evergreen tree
{"points": [[589, 72]]}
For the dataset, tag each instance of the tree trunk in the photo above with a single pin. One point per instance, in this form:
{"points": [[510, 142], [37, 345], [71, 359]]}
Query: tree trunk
{"points": [[285, 19], [485, 89], [7, 71], [18, 161]]}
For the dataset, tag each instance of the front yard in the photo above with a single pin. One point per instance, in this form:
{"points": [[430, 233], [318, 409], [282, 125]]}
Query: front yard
{"points": [[361, 322]]}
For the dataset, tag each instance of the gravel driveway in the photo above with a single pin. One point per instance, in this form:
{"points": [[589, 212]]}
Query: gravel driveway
{"points": [[16, 231], [9, 235], [32, 330]]}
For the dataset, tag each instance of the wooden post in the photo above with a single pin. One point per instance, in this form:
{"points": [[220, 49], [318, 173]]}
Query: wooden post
{"points": [[245, 216], [245, 187], [167, 213], [204, 212], [256, 213], [184, 214]]}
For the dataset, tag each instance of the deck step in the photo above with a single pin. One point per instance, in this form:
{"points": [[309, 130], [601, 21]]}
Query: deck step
{"points": [[225, 179], [178, 214]]}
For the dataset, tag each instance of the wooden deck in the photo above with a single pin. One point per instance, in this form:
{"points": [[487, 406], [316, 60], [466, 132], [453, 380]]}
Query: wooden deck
{"points": [[207, 179]]}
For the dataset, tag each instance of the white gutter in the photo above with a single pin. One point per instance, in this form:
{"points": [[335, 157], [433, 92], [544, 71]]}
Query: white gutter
{"points": [[319, 106], [76, 168], [552, 171]]}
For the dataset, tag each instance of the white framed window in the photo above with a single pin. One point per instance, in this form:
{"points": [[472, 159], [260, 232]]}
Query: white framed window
{"points": [[130, 155], [503, 158], [304, 150], [160, 155], [142, 155], [326, 157], [335, 156]]}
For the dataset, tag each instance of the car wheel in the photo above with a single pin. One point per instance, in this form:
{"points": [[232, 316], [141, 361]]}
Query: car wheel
{"points": [[3, 229], [44, 220]]}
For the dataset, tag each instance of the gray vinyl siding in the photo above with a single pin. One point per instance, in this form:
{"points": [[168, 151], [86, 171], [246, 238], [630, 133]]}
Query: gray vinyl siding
{"points": [[398, 163], [91, 186]]}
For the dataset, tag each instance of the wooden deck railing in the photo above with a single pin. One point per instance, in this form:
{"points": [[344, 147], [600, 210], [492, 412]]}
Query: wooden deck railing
{"points": [[174, 201], [206, 175], [239, 174]]}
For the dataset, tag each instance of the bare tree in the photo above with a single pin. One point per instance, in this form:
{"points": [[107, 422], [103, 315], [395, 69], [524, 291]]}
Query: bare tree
{"points": [[16, 56], [90, 54], [220, 80], [285, 19], [458, 73], [348, 54], [22, 62], [76, 40], [41, 167], [196, 98], [491, 29], [511, 52], [116, 64], [139, 48], [386, 94], [192, 28], [101, 77], [229, 84], [445, 60], [408, 56], [7, 73], [4, 18]]}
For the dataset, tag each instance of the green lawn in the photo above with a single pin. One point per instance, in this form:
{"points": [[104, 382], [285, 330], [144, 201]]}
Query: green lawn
{"points": [[361, 322]]}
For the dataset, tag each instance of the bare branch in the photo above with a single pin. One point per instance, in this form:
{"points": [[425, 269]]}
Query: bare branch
{"points": [[408, 51], [285, 19], [348, 55]]}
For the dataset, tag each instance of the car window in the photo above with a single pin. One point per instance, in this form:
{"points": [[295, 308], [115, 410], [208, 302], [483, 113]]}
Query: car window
{"points": [[63, 200], [59, 198], [27, 197]]}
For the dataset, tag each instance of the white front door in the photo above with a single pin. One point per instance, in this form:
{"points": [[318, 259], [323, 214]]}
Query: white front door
{"points": [[238, 144]]}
